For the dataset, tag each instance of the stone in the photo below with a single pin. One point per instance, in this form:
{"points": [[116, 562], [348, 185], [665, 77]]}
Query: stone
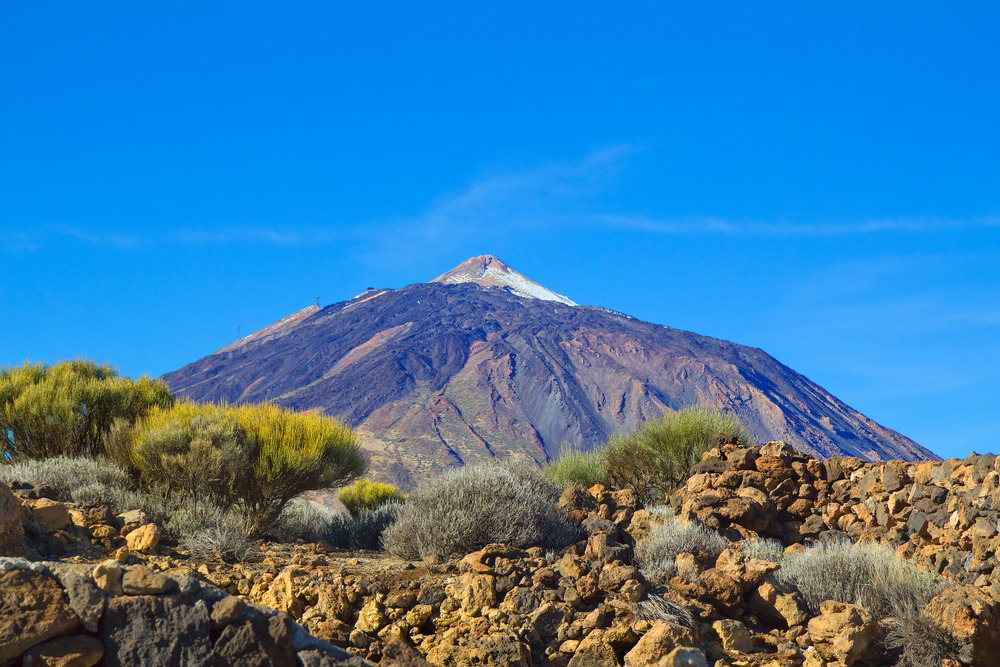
{"points": [[683, 657], [723, 591], [656, 643], [131, 518], [612, 577], [742, 459], [593, 652], [734, 635], [398, 653], [50, 515], [777, 605], [779, 449], [371, 618], [32, 610], [257, 642], [480, 592], [140, 580], [546, 621], [108, 576], [121, 556], [842, 631], [971, 617], [11, 530], [283, 593], [144, 538], [633, 590], [749, 572], [227, 610], [894, 475], [156, 630], [84, 598], [70, 651]]}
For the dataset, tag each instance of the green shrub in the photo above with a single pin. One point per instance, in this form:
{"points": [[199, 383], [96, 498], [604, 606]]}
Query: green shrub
{"points": [[193, 449], [575, 468], [654, 459], [253, 458], [66, 409], [867, 575], [656, 555], [468, 508], [367, 495]]}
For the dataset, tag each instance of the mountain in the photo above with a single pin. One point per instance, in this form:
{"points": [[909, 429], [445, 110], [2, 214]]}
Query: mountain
{"points": [[483, 362]]}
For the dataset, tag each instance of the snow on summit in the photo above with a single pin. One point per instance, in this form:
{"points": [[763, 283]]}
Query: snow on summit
{"points": [[488, 271]]}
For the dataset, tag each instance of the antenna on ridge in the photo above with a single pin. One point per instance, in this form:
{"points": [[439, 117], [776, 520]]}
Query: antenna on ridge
{"points": [[237, 332], [317, 299]]}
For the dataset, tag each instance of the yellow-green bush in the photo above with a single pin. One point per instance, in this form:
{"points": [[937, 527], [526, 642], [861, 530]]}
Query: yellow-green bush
{"points": [[253, 458], [365, 494], [66, 409]]}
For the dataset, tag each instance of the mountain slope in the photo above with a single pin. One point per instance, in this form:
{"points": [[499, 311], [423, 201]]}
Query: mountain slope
{"points": [[435, 375]]}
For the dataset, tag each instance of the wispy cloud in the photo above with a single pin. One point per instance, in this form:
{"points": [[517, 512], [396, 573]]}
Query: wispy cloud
{"points": [[547, 197]]}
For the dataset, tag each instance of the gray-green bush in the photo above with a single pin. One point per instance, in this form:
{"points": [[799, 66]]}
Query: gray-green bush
{"points": [[656, 554], [868, 575], [310, 522], [468, 508], [67, 475], [764, 549]]}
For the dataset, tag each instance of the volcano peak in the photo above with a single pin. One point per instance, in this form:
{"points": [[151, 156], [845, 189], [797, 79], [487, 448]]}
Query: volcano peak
{"points": [[489, 271]]}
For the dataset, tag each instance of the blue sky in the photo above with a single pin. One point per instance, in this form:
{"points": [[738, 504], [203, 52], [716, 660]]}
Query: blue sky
{"points": [[821, 181]]}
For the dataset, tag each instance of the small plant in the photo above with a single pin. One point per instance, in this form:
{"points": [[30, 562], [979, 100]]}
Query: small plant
{"points": [[367, 495], [576, 468], [66, 409], [366, 529], [468, 508], [656, 555], [655, 608]]}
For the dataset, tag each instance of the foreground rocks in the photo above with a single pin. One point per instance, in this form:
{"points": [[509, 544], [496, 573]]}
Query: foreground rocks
{"points": [[56, 614], [588, 604]]}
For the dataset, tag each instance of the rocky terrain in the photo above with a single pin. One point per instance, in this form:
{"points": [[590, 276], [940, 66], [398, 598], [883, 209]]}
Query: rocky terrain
{"points": [[485, 363], [588, 604]]}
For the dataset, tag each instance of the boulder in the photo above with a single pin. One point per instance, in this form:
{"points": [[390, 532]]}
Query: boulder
{"points": [[257, 642], [84, 598], [593, 652], [11, 530], [144, 538], [775, 604], [156, 630], [657, 642], [140, 580], [32, 610], [398, 653], [972, 618], [733, 635], [842, 631], [50, 515]]}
